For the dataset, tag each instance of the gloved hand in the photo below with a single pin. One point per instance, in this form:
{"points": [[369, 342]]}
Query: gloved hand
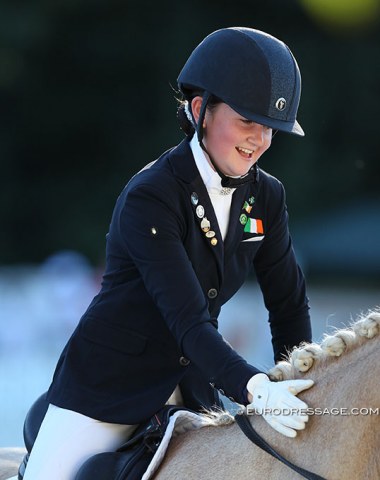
{"points": [[277, 403]]}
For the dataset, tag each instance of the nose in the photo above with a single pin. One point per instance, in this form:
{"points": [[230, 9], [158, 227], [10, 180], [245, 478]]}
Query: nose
{"points": [[257, 134]]}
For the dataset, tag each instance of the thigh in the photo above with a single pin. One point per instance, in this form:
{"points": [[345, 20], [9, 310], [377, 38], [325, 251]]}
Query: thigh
{"points": [[67, 439]]}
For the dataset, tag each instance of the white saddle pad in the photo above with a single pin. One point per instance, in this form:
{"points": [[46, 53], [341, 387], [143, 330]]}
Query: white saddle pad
{"points": [[180, 422]]}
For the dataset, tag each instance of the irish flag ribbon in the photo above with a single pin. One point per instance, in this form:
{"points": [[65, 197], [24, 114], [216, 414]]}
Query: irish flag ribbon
{"points": [[254, 225]]}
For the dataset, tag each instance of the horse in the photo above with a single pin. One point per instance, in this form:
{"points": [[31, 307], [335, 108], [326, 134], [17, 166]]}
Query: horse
{"points": [[10, 459], [341, 438]]}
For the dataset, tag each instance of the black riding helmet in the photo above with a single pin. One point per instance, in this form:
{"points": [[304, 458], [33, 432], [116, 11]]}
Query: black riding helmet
{"points": [[252, 72]]}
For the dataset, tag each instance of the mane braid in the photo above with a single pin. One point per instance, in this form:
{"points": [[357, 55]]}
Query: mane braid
{"points": [[302, 358]]}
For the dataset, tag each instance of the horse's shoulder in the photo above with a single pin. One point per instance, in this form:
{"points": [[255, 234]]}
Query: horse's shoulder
{"points": [[10, 459]]}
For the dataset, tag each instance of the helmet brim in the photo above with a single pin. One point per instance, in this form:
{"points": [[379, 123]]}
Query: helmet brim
{"points": [[292, 127]]}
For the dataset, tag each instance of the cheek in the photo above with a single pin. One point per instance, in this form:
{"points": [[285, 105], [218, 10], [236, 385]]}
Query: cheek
{"points": [[267, 143], [230, 136], [223, 139]]}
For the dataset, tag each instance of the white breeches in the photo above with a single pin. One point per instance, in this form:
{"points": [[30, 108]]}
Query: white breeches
{"points": [[66, 439]]}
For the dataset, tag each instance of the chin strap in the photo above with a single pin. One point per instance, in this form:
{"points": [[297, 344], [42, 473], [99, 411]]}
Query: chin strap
{"points": [[253, 173]]}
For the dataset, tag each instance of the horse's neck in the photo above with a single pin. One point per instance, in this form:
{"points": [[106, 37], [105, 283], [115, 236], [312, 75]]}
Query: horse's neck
{"points": [[342, 435], [334, 446], [349, 380]]}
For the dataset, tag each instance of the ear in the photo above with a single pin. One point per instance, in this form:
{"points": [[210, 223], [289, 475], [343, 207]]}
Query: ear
{"points": [[196, 104]]}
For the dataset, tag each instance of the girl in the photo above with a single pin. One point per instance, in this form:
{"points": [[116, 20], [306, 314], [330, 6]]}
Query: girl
{"points": [[185, 233]]}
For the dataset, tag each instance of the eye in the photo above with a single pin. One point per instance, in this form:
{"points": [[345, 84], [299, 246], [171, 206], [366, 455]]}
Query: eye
{"points": [[246, 121]]}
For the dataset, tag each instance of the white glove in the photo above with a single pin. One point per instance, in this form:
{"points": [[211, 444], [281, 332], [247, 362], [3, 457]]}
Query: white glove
{"points": [[277, 403]]}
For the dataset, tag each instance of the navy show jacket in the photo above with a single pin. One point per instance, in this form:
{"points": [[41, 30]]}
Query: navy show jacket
{"points": [[153, 325]]}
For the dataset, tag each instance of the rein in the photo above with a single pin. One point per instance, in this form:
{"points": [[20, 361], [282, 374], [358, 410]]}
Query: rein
{"points": [[247, 428]]}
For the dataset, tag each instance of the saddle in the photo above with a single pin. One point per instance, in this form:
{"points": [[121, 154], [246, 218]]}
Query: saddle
{"points": [[32, 425], [129, 462]]}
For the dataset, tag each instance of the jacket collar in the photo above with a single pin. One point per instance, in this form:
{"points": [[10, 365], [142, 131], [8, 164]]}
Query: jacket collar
{"points": [[183, 165], [182, 162]]}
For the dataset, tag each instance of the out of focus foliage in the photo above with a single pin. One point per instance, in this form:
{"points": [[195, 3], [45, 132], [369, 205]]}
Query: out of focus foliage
{"points": [[87, 95]]}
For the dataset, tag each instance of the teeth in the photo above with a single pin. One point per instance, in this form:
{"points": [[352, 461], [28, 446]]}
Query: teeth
{"points": [[245, 150]]}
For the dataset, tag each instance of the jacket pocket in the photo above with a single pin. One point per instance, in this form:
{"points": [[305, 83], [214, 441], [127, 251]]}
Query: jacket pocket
{"points": [[113, 336]]}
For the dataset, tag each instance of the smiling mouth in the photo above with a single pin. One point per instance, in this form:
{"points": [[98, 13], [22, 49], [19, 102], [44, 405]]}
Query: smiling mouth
{"points": [[247, 153]]}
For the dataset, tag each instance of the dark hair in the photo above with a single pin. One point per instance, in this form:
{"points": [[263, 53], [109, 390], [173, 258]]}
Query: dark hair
{"points": [[184, 123]]}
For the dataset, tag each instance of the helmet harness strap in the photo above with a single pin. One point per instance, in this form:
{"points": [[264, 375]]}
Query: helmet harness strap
{"points": [[253, 173]]}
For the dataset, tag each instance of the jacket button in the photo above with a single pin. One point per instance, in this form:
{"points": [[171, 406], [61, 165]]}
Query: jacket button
{"points": [[184, 361], [212, 293]]}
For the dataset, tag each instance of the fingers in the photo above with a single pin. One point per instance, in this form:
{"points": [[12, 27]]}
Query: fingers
{"points": [[283, 398], [284, 430], [280, 406], [293, 421], [292, 402], [286, 425], [297, 386], [289, 409], [278, 403]]}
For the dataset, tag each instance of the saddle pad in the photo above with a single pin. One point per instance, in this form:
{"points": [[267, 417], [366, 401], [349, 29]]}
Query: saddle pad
{"points": [[180, 422]]}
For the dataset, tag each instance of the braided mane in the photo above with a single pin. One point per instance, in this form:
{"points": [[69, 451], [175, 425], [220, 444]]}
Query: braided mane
{"points": [[302, 358]]}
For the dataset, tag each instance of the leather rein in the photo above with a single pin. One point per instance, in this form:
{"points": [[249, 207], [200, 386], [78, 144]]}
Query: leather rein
{"points": [[247, 428]]}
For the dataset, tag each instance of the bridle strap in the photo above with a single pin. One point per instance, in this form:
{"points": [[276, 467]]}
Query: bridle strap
{"points": [[247, 428]]}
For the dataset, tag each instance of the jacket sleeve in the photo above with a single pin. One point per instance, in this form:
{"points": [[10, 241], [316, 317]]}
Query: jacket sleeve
{"points": [[152, 230], [281, 279]]}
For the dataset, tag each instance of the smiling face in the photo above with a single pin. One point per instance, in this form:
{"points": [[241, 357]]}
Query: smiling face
{"points": [[234, 142]]}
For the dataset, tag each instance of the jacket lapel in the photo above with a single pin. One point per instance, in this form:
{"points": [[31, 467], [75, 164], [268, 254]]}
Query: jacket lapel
{"points": [[235, 228], [184, 167], [242, 204], [205, 216]]}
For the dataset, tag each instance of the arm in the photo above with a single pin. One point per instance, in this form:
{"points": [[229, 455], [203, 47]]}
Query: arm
{"points": [[281, 280], [283, 287]]}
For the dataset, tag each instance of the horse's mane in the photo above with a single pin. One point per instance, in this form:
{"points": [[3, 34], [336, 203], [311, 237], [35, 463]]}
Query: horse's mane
{"points": [[302, 358]]}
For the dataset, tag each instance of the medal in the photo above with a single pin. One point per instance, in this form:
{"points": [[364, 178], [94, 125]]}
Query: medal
{"points": [[200, 211], [243, 219], [247, 207], [194, 198], [205, 224]]}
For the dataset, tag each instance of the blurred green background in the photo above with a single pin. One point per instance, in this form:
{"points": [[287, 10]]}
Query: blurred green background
{"points": [[87, 94]]}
